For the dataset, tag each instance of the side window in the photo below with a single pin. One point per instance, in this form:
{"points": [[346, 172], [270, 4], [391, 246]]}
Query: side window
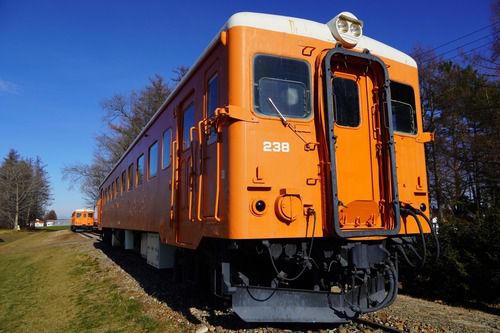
{"points": [[124, 182], [404, 116], [117, 187], [212, 95], [346, 102], [188, 122], [212, 104], [78, 214], [283, 82], [91, 214], [153, 160], [130, 178], [167, 137], [140, 170]]}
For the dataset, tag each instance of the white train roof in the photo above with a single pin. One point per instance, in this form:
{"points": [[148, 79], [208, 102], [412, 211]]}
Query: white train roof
{"points": [[311, 29]]}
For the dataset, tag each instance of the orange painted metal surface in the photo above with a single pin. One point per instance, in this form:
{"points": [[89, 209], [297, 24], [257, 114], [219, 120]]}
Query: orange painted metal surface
{"points": [[211, 187]]}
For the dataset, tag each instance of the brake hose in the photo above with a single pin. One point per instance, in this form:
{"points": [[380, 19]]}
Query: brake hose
{"points": [[423, 258], [433, 232], [280, 276]]}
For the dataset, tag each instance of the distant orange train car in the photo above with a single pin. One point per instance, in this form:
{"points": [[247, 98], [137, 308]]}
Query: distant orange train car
{"points": [[290, 160], [82, 219]]}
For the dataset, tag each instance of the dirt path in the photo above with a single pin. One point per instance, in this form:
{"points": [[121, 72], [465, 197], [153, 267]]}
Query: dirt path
{"points": [[166, 300]]}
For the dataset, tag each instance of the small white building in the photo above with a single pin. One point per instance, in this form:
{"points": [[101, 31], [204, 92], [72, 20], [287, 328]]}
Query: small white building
{"points": [[39, 223]]}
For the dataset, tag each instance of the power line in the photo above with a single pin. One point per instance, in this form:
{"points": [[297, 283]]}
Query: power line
{"points": [[466, 52], [469, 51], [462, 37], [424, 59]]}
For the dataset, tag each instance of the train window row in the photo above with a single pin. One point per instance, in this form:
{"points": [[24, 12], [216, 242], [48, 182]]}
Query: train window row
{"points": [[347, 112], [282, 85], [135, 175], [90, 214]]}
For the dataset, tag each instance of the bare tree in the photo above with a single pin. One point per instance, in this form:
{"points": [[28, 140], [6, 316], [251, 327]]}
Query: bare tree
{"points": [[89, 176], [25, 190], [125, 116], [179, 74]]}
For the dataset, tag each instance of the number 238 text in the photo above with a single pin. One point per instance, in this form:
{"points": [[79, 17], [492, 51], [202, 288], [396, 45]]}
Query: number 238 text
{"points": [[276, 146]]}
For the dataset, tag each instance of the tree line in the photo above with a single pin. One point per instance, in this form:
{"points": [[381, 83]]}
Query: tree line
{"points": [[24, 190], [461, 104]]}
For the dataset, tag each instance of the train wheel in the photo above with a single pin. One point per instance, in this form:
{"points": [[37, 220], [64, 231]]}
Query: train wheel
{"points": [[106, 236]]}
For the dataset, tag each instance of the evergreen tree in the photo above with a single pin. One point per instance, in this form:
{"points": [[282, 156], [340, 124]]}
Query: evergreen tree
{"points": [[51, 215]]}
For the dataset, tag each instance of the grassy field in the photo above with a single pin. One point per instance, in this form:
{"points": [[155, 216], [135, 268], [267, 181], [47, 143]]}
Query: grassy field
{"points": [[49, 284], [55, 228]]}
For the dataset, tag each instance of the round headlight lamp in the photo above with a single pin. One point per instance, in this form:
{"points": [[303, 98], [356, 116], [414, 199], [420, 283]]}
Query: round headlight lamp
{"points": [[346, 28], [355, 30], [342, 26]]}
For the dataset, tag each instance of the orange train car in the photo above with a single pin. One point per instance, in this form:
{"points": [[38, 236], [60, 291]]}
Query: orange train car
{"points": [[82, 219], [290, 159]]}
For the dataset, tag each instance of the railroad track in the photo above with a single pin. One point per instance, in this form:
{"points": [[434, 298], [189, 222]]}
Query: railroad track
{"points": [[90, 235], [376, 326]]}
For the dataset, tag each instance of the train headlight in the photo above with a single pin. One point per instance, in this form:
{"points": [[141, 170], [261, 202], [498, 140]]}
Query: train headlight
{"points": [[356, 30], [342, 26], [346, 28]]}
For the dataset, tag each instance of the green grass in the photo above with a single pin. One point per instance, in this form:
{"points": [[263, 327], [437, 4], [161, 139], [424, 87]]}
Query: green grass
{"points": [[55, 228], [47, 287], [8, 236]]}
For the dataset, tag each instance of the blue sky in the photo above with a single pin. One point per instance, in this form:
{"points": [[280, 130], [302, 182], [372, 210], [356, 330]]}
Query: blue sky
{"points": [[60, 59]]}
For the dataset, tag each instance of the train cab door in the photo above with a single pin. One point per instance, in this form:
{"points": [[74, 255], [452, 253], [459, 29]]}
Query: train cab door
{"points": [[187, 144], [361, 166]]}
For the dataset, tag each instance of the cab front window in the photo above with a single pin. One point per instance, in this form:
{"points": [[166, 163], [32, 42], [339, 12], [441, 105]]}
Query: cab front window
{"points": [[404, 117], [283, 82]]}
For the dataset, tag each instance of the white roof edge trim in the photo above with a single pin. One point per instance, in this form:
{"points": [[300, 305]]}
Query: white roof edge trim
{"points": [[316, 30], [278, 23]]}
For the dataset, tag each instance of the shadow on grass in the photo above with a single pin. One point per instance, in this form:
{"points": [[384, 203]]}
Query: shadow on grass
{"points": [[182, 297]]}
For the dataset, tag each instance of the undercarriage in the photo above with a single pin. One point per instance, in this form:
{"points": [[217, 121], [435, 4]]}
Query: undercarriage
{"points": [[305, 280]]}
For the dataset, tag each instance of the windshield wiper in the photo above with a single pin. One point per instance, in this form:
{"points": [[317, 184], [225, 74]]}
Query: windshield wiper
{"points": [[283, 119], [308, 145]]}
